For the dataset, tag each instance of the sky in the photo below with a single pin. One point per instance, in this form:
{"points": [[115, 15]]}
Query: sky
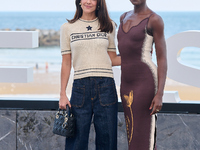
{"points": [[113, 5]]}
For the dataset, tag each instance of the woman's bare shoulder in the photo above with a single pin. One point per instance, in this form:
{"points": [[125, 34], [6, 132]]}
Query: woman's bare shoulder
{"points": [[123, 15]]}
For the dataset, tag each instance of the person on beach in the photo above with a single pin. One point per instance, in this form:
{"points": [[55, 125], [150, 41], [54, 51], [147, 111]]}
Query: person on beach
{"points": [[142, 83], [88, 41]]}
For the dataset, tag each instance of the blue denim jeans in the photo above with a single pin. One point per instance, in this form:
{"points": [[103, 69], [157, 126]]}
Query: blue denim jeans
{"points": [[94, 97]]}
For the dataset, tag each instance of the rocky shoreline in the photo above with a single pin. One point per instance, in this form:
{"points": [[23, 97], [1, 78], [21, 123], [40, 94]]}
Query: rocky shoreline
{"points": [[46, 37]]}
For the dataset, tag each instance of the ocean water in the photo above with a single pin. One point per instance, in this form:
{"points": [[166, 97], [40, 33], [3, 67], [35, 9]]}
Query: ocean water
{"points": [[175, 22]]}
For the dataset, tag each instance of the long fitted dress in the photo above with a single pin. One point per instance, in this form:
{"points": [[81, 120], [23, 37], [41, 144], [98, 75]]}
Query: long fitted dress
{"points": [[138, 85]]}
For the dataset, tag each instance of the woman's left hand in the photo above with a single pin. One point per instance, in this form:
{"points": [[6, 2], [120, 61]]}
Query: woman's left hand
{"points": [[156, 104]]}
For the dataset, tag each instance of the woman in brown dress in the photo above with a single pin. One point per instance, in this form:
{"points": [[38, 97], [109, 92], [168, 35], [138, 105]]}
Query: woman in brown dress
{"points": [[142, 82]]}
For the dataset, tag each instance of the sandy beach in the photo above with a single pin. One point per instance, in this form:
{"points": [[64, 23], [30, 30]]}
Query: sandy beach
{"points": [[186, 92], [46, 84]]}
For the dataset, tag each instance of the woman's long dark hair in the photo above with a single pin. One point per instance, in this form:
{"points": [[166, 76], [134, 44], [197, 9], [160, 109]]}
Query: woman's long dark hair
{"points": [[101, 12]]}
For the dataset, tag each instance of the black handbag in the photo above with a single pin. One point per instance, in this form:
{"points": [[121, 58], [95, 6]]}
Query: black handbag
{"points": [[64, 123]]}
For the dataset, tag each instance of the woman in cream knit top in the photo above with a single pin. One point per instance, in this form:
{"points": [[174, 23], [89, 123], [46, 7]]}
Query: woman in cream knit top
{"points": [[87, 44]]}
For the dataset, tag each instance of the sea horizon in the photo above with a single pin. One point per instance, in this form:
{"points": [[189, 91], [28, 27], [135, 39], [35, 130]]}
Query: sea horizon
{"points": [[175, 22]]}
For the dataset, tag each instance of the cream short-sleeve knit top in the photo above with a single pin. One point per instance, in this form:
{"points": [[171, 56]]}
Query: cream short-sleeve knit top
{"points": [[88, 47]]}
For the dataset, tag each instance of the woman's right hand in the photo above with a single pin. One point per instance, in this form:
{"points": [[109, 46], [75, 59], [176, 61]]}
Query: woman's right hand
{"points": [[63, 102]]}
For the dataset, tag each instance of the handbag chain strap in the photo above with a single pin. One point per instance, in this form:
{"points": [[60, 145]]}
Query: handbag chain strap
{"points": [[65, 121]]}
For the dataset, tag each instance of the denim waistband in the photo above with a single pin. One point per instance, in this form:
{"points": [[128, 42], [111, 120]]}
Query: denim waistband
{"points": [[97, 80]]}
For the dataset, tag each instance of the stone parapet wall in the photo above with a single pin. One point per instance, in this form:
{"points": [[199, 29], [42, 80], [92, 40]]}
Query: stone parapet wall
{"points": [[32, 130]]}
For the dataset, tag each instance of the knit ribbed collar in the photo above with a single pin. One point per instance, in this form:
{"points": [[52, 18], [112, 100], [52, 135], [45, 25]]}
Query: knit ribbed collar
{"points": [[89, 21]]}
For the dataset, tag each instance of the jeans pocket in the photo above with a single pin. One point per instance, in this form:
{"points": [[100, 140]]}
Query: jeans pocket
{"points": [[78, 96], [107, 95]]}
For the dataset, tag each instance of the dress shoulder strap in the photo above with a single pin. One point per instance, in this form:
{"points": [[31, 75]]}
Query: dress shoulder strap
{"points": [[151, 15], [123, 16]]}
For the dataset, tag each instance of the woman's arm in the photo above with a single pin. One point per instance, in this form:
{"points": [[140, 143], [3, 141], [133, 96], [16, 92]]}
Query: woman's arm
{"points": [[65, 73], [116, 60], [157, 26]]}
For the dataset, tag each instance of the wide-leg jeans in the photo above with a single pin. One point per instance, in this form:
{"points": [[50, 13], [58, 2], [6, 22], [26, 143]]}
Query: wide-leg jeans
{"points": [[94, 97]]}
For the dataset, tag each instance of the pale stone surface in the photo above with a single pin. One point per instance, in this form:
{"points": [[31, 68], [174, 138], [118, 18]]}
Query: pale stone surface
{"points": [[7, 130], [34, 131], [178, 132]]}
